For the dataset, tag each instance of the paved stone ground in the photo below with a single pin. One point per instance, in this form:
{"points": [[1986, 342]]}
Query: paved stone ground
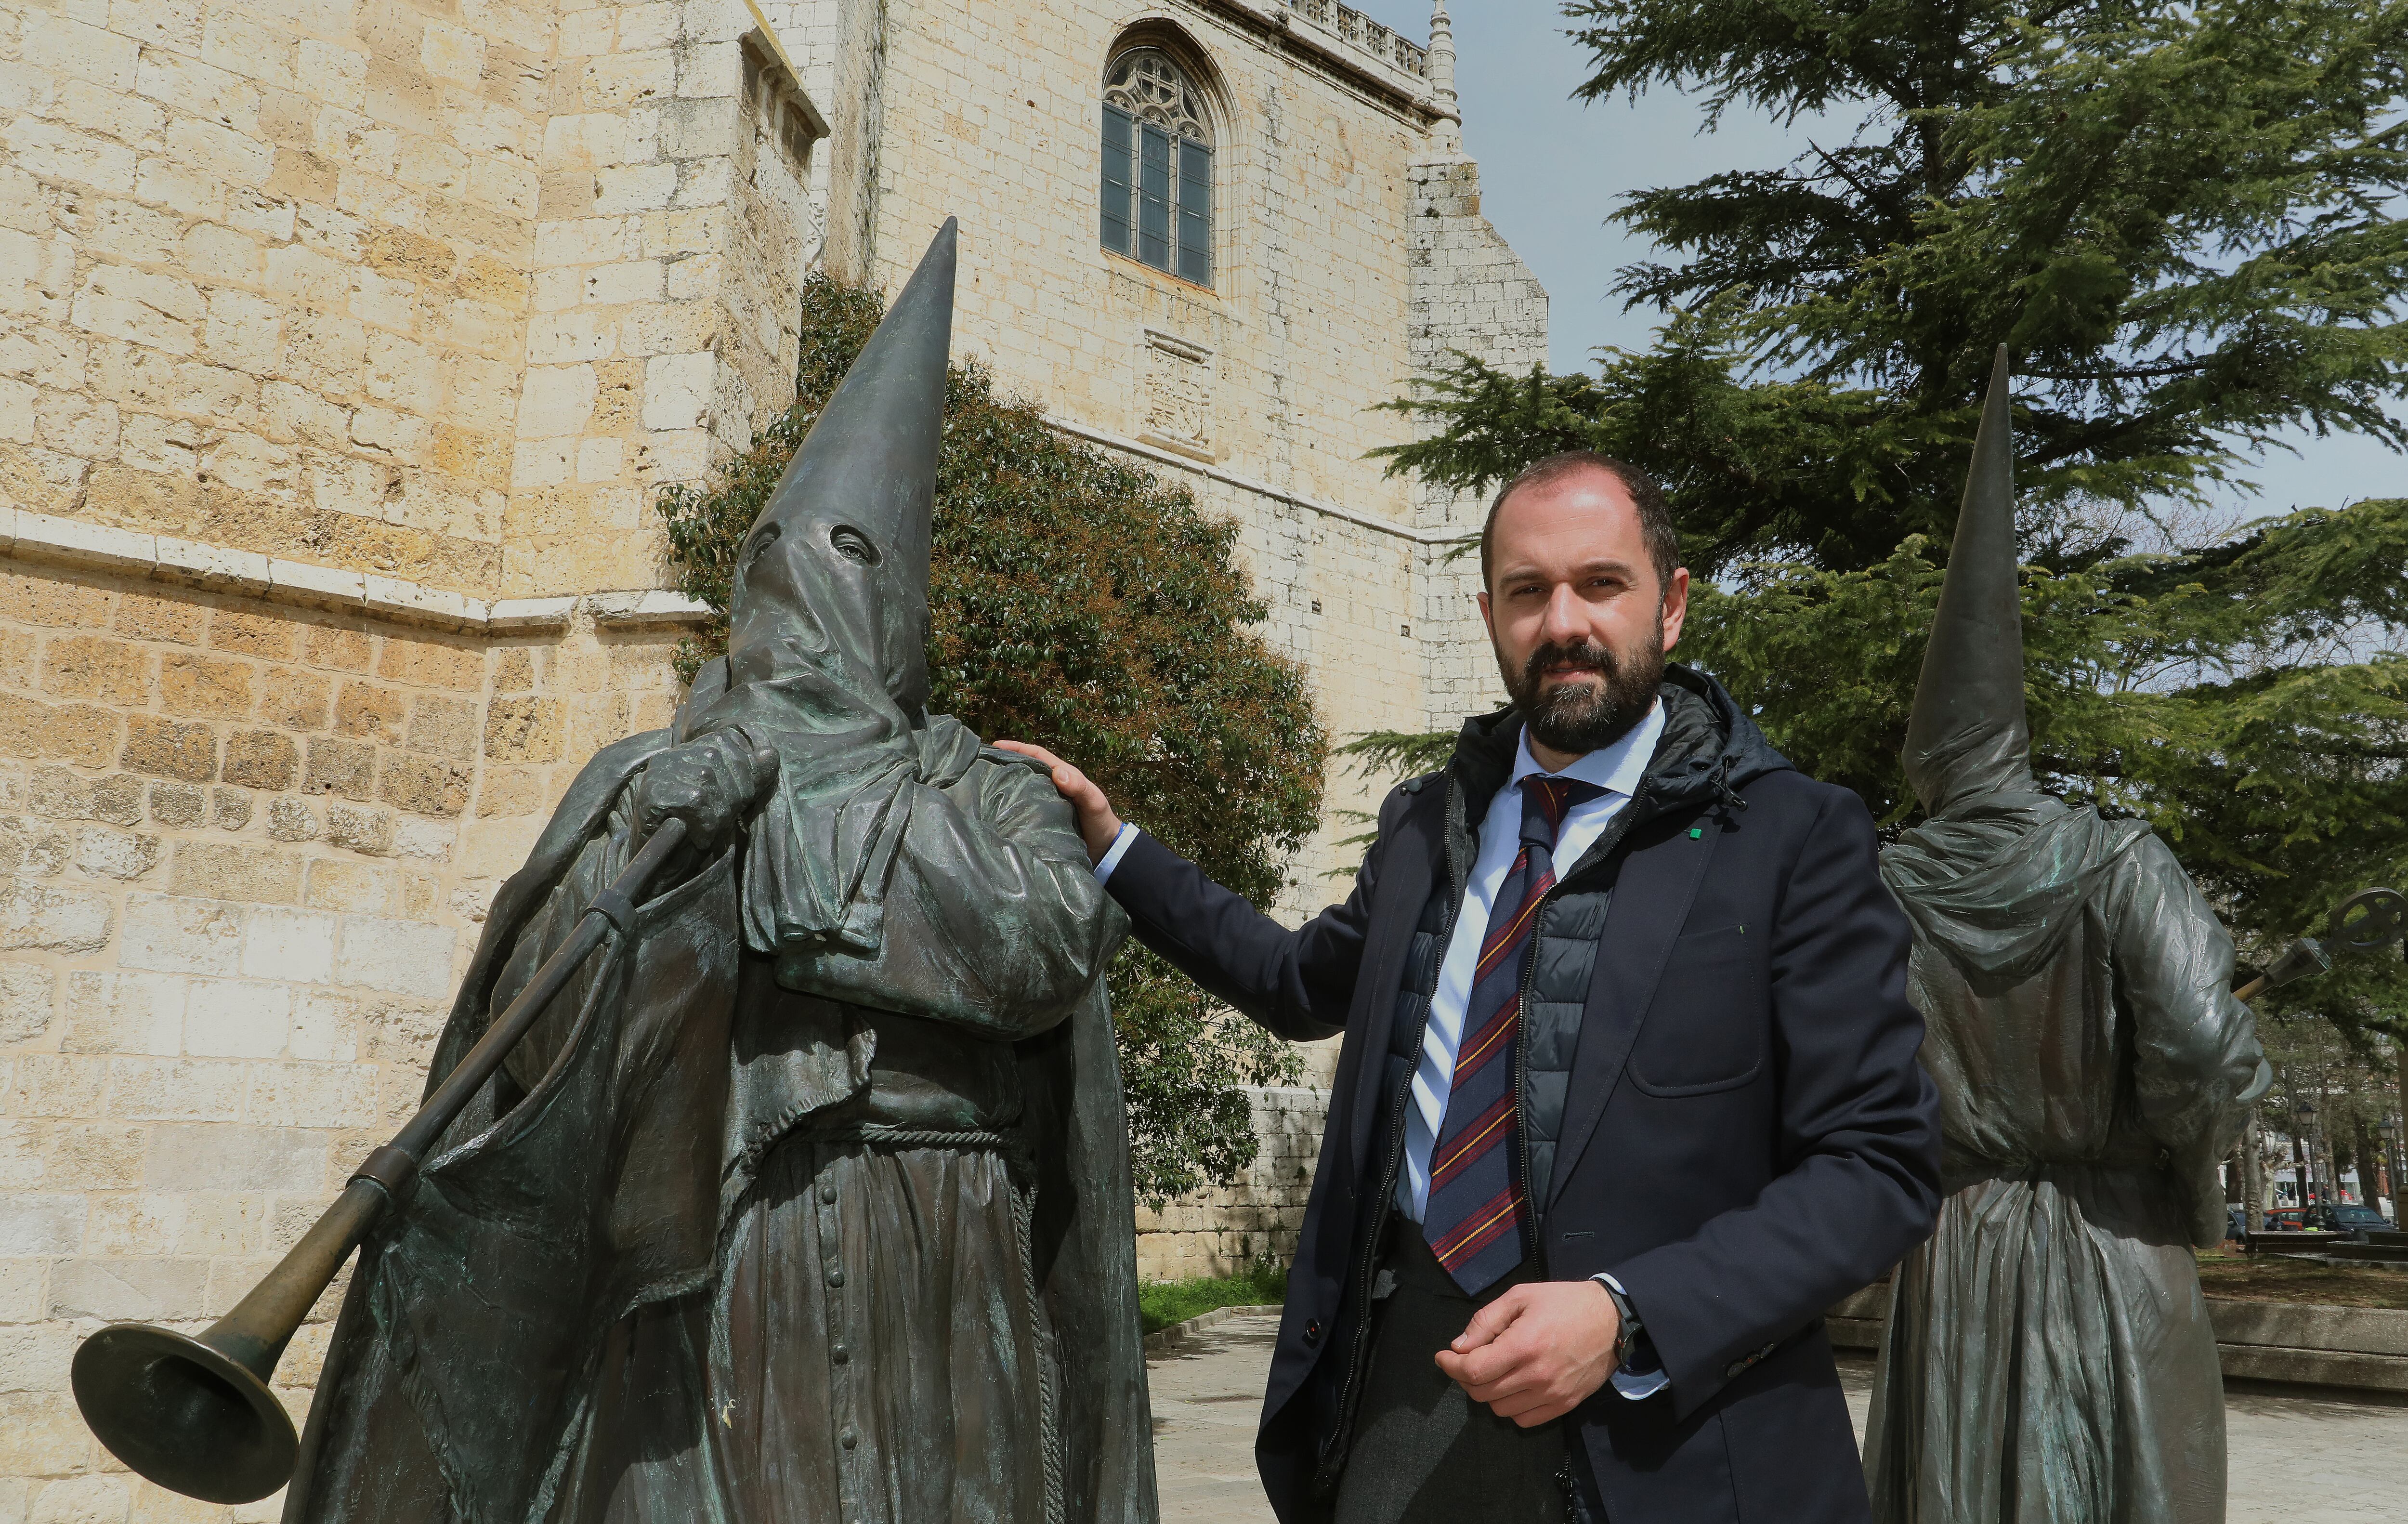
{"points": [[1208, 1396], [2295, 1459]]}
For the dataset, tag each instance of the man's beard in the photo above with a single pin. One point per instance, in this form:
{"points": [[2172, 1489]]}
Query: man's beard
{"points": [[1577, 717]]}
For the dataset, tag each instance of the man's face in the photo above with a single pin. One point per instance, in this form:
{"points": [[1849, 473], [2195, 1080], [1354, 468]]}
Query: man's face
{"points": [[1573, 609]]}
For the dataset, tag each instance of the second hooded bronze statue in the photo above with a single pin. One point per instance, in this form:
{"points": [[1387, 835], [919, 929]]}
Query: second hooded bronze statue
{"points": [[809, 1201], [2048, 1358]]}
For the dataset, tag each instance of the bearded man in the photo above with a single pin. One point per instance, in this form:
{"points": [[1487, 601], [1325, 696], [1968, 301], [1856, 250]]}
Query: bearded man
{"points": [[1628, 1091], [807, 1201]]}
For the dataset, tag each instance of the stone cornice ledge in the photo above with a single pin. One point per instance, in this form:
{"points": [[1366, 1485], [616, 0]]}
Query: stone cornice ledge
{"points": [[1246, 483], [73, 542]]}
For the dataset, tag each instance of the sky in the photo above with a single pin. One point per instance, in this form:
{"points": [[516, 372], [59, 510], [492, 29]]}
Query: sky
{"points": [[1552, 170]]}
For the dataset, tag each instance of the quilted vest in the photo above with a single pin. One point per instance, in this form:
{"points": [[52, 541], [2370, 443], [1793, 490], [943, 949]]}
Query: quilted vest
{"points": [[1564, 946]]}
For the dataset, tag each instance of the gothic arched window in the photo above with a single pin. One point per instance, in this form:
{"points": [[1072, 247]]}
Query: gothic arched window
{"points": [[1158, 167]]}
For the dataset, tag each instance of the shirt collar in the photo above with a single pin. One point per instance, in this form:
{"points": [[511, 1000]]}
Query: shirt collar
{"points": [[1617, 769]]}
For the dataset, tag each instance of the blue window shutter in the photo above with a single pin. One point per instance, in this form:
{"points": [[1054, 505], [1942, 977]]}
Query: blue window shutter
{"points": [[1119, 133], [1195, 213], [1153, 197]]}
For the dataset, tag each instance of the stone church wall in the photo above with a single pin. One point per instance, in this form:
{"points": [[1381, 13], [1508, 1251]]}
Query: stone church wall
{"points": [[263, 275], [1350, 255], [247, 848], [1473, 296], [439, 294], [1222, 1231]]}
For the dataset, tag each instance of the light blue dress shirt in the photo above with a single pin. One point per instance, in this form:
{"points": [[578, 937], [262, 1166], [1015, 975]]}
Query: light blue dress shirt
{"points": [[1617, 770], [1119, 849]]}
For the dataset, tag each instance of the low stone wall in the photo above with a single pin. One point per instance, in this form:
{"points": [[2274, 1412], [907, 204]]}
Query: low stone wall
{"points": [[2356, 1348], [2360, 1347], [1216, 1232]]}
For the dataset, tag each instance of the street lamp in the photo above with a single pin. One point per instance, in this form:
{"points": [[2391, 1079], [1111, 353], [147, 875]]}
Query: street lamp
{"points": [[2303, 1115]]}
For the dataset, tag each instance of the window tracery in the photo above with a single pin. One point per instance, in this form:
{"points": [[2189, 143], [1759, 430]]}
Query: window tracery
{"points": [[1157, 180]]}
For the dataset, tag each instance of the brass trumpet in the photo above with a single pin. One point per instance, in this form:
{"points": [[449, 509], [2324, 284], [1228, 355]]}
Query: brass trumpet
{"points": [[196, 1414]]}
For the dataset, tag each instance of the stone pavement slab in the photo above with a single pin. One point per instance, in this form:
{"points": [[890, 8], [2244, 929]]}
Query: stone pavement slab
{"points": [[2295, 1459], [1208, 1396]]}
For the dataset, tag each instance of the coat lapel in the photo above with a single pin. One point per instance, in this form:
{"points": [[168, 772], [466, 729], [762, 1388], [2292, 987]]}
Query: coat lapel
{"points": [[1650, 905], [1406, 876]]}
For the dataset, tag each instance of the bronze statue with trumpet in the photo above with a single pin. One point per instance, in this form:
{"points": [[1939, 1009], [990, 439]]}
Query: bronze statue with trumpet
{"points": [[773, 1166]]}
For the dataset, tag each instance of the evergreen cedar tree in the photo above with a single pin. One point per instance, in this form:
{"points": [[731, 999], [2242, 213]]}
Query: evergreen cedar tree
{"points": [[2183, 221], [1082, 603]]}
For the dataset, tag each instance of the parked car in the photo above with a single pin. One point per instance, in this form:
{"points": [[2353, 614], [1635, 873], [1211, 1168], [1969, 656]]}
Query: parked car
{"points": [[2350, 1217], [2282, 1220]]}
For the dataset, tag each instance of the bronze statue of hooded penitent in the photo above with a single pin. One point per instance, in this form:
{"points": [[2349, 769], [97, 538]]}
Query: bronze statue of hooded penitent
{"points": [[807, 1201], [2048, 1358]]}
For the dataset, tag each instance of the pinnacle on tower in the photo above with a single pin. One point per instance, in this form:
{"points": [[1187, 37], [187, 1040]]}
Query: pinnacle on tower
{"points": [[1448, 130]]}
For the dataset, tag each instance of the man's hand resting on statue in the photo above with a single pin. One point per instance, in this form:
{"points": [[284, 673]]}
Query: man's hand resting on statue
{"points": [[1536, 1352], [708, 784], [1099, 827]]}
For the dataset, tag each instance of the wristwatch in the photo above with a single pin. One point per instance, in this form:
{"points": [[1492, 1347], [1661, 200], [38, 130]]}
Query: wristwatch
{"points": [[1628, 1335]]}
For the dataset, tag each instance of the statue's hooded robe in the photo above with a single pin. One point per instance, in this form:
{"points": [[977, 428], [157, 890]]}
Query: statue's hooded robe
{"points": [[2048, 1358], [807, 1201]]}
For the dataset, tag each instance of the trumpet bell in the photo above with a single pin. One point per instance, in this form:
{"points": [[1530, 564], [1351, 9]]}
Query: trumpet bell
{"points": [[186, 1415]]}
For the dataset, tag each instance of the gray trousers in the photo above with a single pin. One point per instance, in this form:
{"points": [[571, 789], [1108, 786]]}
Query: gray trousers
{"points": [[1425, 1453]]}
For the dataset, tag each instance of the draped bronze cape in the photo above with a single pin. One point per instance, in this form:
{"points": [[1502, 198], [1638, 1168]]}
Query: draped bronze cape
{"points": [[543, 1333], [2048, 1358]]}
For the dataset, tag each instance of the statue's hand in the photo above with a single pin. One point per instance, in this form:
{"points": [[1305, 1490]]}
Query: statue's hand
{"points": [[708, 784]]}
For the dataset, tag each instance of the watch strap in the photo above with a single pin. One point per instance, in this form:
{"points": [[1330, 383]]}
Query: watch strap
{"points": [[1628, 1333]]}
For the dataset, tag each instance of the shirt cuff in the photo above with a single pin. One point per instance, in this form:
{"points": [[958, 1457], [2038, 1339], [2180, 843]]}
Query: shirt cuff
{"points": [[1111, 858], [1644, 1376]]}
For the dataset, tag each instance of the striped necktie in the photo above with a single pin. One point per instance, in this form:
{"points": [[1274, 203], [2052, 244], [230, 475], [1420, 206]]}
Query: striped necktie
{"points": [[1479, 1203]]}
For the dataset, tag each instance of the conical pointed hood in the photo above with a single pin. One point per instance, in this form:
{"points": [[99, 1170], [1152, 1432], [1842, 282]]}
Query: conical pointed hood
{"points": [[873, 448], [1968, 738], [833, 576]]}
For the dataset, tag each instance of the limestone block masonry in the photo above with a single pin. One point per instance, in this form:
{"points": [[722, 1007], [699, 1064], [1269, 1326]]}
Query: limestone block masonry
{"points": [[247, 849], [345, 346], [419, 289], [1219, 1233]]}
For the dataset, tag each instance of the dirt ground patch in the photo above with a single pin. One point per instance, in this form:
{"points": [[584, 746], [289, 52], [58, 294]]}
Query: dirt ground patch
{"points": [[2242, 1278]]}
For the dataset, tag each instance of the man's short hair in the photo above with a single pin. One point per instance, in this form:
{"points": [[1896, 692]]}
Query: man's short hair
{"points": [[1654, 513]]}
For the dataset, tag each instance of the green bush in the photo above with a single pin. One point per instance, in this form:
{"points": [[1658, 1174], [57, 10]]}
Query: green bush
{"points": [[1163, 1304], [1079, 602]]}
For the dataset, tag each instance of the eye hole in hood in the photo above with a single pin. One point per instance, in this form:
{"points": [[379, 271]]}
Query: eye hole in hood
{"points": [[763, 538], [854, 545]]}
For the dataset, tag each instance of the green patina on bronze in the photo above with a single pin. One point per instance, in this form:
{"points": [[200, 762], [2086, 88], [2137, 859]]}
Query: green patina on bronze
{"points": [[2048, 1358], [808, 1200]]}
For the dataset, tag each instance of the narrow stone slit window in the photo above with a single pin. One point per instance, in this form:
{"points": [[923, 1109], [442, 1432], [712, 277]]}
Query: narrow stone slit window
{"points": [[1157, 182]]}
